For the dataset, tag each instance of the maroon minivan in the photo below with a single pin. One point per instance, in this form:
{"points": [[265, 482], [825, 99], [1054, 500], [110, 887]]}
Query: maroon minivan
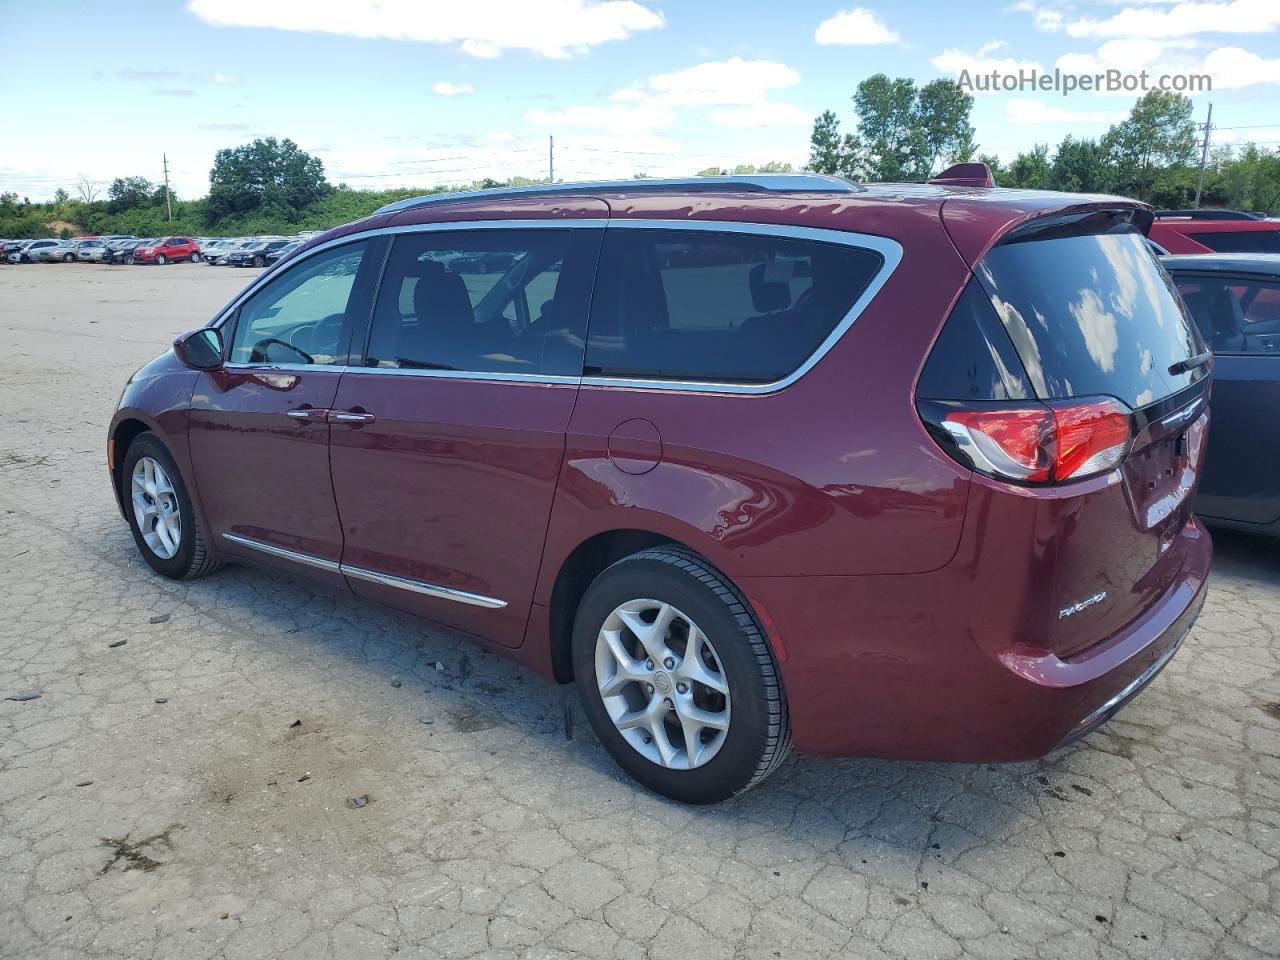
{"points": [[896, 470]]}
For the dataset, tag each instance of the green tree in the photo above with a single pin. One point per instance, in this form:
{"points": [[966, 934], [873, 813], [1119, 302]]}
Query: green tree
{"points": [[1159, 133], [828, 151], [267, 175], [126, 193], [903, 133], [1030, 171], [1081, 166], [942, 109], [774, 166]]}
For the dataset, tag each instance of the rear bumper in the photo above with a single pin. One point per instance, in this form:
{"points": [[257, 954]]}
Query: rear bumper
{"points": [[898, 667]]}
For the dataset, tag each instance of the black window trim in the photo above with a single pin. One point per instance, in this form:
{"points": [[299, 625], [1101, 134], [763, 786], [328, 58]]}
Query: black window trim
{"points": [[889, 250]]}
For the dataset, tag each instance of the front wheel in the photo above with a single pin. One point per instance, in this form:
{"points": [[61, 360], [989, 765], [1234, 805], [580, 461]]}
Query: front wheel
{"points": [[161, 516], [161, 259], [195, 258], [678, 679], [68, 258]]}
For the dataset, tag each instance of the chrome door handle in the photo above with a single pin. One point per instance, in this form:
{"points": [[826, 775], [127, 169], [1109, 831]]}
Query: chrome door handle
{"points": [[307, 413], [350, 416]]}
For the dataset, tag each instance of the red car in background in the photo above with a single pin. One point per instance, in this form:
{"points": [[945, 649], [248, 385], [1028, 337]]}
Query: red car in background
{"points": [[886, 470], [1215, 231], [168, 250]]}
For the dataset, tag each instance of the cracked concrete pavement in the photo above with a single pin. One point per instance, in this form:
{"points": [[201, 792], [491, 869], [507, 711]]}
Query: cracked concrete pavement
{"points": [[188, 794]]}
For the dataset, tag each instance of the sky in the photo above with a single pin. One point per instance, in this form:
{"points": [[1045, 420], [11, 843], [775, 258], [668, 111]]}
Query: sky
{"points": [[394, 93]]}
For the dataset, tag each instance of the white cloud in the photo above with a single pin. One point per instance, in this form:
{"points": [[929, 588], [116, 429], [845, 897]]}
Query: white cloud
{"points": [[482, 28], [1232, 68], [732, 81], [1129, 54], [738, 90], [765, 114], [1183, 20], [224, 78], [606, 118], [956, 61], [1036, 111], [856, 27], [447, 89]]}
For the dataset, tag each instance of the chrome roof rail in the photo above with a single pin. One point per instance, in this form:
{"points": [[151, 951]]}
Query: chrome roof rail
{"points": [[747, 183]]}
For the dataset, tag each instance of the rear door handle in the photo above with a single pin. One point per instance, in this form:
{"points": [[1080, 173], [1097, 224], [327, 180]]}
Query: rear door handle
{"points": [[308, 413], [351, 416]]}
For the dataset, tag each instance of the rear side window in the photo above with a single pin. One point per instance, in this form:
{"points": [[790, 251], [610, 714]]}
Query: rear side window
{"points": [[1240, 241], [973, 358], [1091, 314], [1234, 315], [485, 301], [718, 307]]}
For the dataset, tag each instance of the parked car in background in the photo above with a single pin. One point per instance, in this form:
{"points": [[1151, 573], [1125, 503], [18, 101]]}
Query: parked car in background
{"points": [[254, 254], [13, 250], [121, 251], [1235, 301], [167, 250], [26, 249], [211, 250], [88, 251], [1215, 231], [280, 252], [216, 254], [878, 494], [50, 251]]}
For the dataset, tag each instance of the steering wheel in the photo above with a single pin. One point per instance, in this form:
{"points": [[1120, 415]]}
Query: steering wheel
{"points": [[259, 352]]}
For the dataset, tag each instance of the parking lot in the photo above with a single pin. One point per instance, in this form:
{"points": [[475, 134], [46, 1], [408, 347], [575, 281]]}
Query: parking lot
{"points": [[243, 767]]}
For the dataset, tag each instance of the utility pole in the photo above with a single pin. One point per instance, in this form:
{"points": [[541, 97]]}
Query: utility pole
{"points": [[1204, 154], [168, 196], [551, 159]]}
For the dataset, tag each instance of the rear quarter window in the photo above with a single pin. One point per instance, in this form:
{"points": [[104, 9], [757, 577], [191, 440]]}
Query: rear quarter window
{"points": [[696, 305]]}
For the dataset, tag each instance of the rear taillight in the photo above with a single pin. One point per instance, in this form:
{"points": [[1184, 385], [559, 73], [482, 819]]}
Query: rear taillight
{"points": [[1033, 443]]}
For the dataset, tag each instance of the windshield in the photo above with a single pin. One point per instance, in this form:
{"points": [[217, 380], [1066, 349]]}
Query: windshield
{"points": [[1092, 314]]}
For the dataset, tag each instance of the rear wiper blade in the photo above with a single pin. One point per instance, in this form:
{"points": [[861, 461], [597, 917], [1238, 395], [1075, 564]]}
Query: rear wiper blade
{"points": [[1191, 363]]}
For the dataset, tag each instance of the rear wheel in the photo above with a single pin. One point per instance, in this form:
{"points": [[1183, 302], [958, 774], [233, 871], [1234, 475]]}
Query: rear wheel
{"points": [[128, 259], [68, 258], [161, 259], [161, 516], [677, 678], [258, 261]]}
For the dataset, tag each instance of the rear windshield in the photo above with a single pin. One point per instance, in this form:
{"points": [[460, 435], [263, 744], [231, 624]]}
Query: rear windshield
{"points": [[1240, 241], [1091, 314]]}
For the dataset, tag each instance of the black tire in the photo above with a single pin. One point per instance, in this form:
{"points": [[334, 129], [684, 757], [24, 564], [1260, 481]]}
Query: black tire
{"points": [[195, 258], [161, 259], [259, 262], [759, 735], [68, 258], [192, 558], [129, 260]]}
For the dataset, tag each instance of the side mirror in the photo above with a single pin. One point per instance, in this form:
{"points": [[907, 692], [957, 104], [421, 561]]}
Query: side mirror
{"points": [[200, 349]]}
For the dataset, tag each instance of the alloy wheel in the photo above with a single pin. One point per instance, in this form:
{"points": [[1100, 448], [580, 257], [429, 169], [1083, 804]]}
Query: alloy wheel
{"points": [[156, 509], [662, 684]]}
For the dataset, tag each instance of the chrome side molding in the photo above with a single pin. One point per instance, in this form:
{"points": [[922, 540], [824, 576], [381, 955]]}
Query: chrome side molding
{"points": [[417, 586], [329, 566], [370, 576]]}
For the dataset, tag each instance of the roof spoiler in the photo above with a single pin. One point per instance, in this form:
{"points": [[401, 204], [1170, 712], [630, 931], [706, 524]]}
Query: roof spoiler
{"points": [[965, 175]]}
